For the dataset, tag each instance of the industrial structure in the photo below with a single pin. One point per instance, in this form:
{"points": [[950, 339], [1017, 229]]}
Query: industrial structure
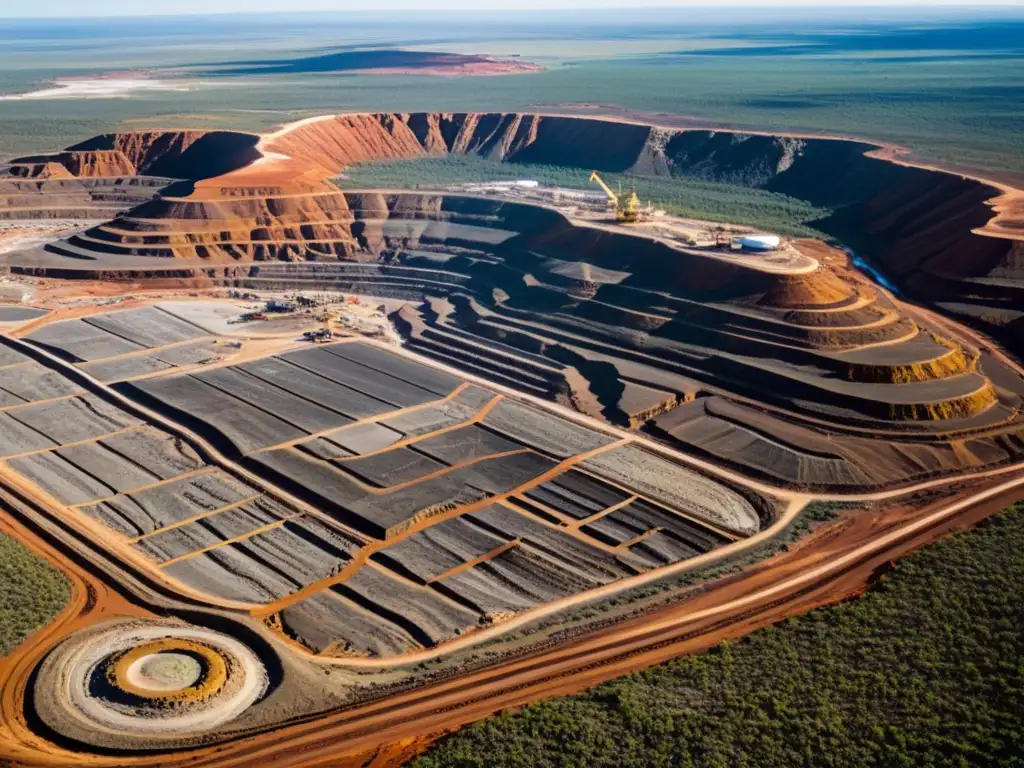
{"points": [[758, 243], [320, 336], [626, 213]]}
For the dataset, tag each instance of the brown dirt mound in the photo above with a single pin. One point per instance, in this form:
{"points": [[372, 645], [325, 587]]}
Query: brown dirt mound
{"points": [[44, 170], [819, 289], [957, 408]]}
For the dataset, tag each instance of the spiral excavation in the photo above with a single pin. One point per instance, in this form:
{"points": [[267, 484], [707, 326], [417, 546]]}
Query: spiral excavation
{"points": [[151, 680]]}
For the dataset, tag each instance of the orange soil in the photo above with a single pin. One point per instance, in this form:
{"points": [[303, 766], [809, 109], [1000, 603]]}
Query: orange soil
{"points": [[92, 601], [215, 670], [297, 161], [44, 170], [818, 289], [391, 731]]}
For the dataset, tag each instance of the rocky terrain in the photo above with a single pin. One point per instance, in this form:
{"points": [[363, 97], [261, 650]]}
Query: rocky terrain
{"points": [[939, 236], [253, 542], [615, 323]]}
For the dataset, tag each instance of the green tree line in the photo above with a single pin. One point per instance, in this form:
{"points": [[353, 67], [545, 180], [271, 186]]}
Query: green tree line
{"points": [[926, 669]]}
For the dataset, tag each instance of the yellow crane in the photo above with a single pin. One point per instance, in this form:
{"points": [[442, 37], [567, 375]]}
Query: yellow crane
{"points": [[627, 213]]}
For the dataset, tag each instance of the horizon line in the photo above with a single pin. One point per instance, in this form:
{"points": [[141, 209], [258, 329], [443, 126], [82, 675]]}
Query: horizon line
{"points": [[704, 5]]}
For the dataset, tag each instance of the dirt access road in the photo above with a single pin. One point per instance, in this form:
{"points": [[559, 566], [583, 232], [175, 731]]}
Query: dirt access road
{"points": [[835, 562]]}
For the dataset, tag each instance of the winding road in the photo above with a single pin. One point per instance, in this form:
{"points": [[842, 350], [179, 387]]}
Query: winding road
{"points": [[837, 560]]}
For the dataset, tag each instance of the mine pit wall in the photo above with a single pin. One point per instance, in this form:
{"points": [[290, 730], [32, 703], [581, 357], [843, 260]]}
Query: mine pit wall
{"points": [[543, 232], [192, 155], [547, 234], [915, 225]]}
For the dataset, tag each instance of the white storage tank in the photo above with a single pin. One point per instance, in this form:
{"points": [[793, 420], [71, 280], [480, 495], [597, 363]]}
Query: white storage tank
{"points": [[756, 243]]}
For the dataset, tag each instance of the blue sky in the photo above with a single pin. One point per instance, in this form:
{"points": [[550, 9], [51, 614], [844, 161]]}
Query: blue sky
{"points": [[78, 8]]}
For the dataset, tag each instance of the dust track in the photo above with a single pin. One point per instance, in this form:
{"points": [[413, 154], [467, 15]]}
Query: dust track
{"points": [[834, 563]]}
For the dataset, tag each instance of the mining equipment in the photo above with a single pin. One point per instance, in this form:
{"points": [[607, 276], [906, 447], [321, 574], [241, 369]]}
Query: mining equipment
{"points": [[628, 213], [321, 336], [278, 305], [248, 316]]}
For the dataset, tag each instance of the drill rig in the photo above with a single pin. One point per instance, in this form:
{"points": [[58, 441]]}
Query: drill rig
{"points": [[628, 213]]}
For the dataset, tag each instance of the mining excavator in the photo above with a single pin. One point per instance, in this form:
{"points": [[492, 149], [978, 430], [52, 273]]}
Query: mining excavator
{"points": [[628, 213]]}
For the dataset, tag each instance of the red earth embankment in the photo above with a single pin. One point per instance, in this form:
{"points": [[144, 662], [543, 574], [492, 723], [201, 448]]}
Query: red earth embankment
{"points": [[939, 236]]}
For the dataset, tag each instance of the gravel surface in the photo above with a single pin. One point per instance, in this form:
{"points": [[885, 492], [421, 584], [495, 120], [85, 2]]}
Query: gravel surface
{"points": [[60, 478], [108, 467], [124, 368], [75, 419], [428, 617], [465, 443], [189, 354], [247, 428], [153, 508], [8, 400], [9, 356], [230, 573], [428, 554], [515, 580], [504, 473], [147, 327], [296, 552], [398, 465], [305, 415], [328, 620], [176, 542], [316, 388], [366, 380], [16, 437], [426, 377], [164, 455], [78, 341], [661, 549], [9, 314], [365, 438], [324, 449], [683, 488], [212, 316], [642, 516], [563, 501], [544, 430], [32, 382], [459, 409], [563, 550]]}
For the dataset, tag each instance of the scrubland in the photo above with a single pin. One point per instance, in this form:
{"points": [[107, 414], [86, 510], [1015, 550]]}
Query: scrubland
{"points": [[922, 670]]}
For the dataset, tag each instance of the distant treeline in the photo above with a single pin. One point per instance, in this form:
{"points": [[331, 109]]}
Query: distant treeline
{"points": [[689, 198]]}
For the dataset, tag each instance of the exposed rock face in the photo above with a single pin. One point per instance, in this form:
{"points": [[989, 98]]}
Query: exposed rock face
{"points": [[936, 235], [170, 154], [598, 317], [42, 170], [264, 224]]}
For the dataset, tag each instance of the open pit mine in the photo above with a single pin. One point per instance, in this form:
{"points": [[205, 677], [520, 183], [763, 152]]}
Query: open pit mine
{"points": [[288, 552]]}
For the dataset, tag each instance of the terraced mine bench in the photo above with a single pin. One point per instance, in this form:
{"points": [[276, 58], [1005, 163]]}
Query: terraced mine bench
{"points": [[370, 502]]}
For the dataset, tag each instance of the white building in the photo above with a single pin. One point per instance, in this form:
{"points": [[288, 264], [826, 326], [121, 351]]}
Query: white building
{"points": [[756, 243]]}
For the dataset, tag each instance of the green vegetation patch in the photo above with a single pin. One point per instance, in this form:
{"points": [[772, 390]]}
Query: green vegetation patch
{"points": [[923, 670], [32, 592], [687, 197]]}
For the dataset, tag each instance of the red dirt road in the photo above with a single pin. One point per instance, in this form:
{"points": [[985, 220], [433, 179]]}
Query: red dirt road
{"points": [[835, 562]]}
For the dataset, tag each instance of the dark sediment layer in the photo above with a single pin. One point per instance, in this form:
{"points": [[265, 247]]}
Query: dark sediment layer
{"points": [[618, 325]]}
